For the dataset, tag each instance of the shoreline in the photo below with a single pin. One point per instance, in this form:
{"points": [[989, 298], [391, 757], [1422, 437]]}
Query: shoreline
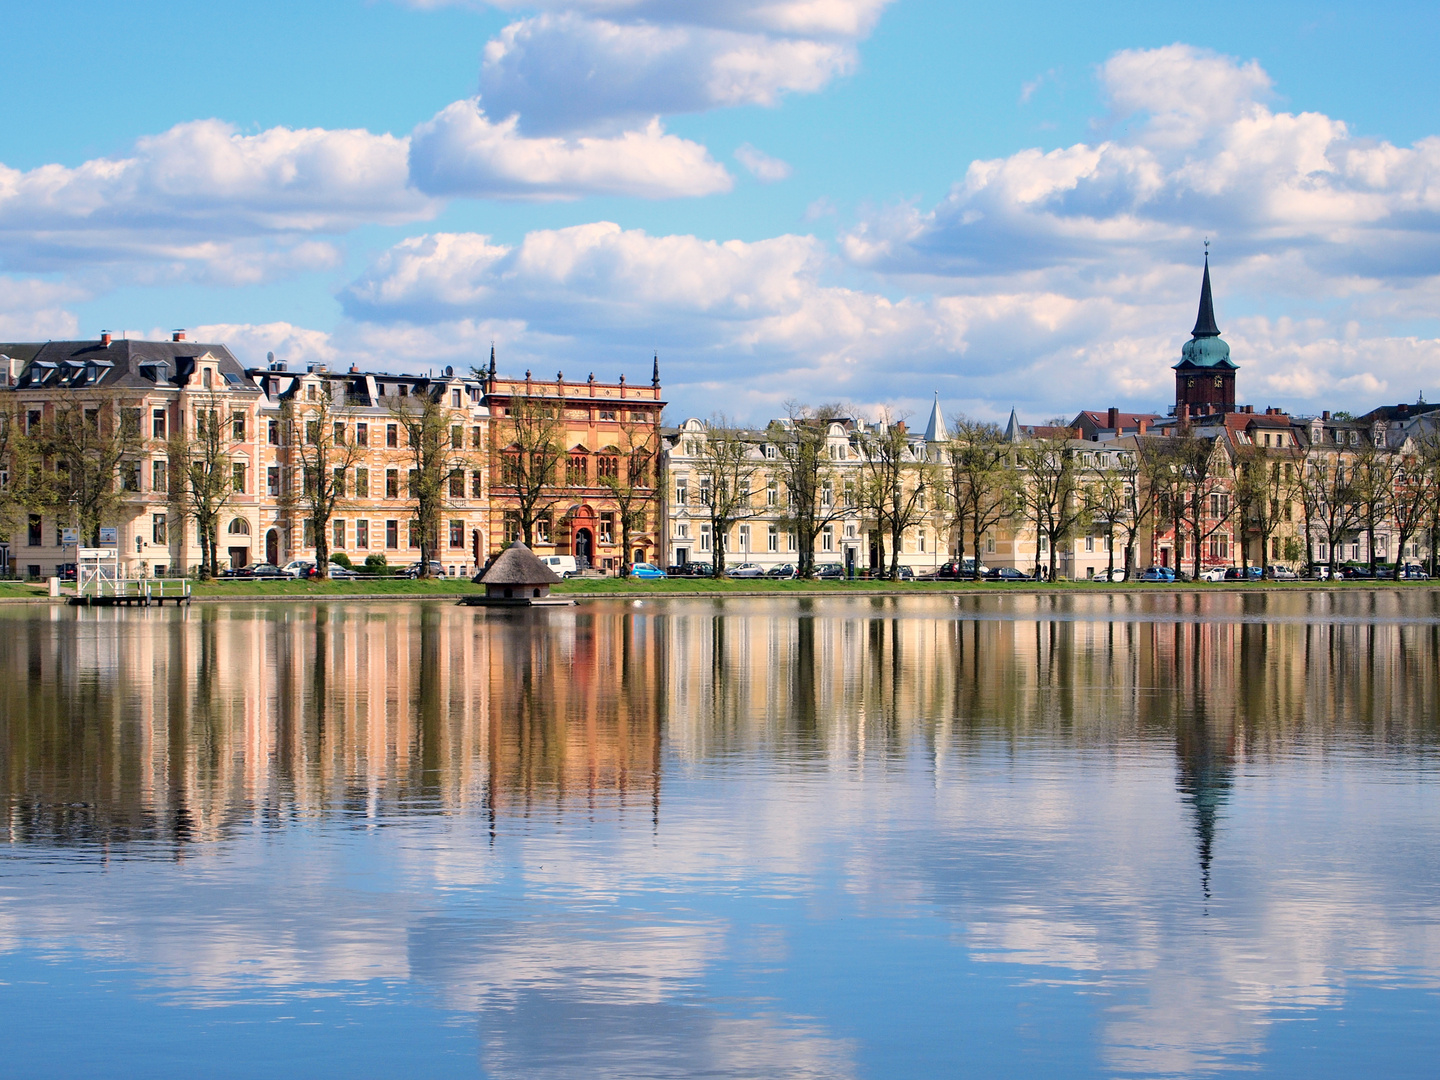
{"points": [[739, 589]]}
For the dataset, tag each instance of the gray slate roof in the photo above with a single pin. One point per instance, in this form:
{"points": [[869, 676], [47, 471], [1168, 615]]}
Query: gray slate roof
{"points": [[517, 565], [121, 364]]}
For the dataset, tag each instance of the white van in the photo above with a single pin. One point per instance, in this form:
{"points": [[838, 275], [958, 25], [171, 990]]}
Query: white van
{"points": [[562, 565]]}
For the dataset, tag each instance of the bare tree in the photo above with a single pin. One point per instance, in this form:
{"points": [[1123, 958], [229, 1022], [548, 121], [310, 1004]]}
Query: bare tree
{"points": [[1265, 490], [1107, 503], [1373, 475], [202, 478], [20, 474], [1329, 499], [809, 474], [1193, 481], [435, 437], [1050, 491], [529, 444], [983, 483], [328, 453], [94, 448], [898, 486], [725, 469], [627, 472], [1417, 493]]}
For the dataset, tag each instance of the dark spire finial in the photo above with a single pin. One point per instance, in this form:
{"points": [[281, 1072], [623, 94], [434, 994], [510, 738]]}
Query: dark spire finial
{"points": [[492, 361], [1205, 320], [655, 375]]}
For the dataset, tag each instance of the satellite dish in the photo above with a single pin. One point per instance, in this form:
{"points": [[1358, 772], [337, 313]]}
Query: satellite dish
{"points": [[269, 357]]}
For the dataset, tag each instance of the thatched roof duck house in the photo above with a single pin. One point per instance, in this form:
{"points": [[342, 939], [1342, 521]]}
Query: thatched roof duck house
{"points": [[518, 578]]}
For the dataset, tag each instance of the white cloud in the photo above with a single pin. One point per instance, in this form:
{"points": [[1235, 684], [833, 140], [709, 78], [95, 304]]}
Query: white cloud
{"points": [[761, 165], [34, 310], [813, 18], [186, 196], [462, 152], [566, 72]]}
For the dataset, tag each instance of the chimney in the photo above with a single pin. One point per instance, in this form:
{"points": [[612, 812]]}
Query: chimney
{"points": [[1184, 416], [177, 335], [1325, 415], [105, 339], [1142, 427], [1404, 410], [1112, 419]]}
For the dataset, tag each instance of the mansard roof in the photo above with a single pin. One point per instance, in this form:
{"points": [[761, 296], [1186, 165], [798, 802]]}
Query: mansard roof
{"points": [[122, 364]]}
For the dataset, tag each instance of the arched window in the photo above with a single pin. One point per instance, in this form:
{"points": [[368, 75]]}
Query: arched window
{"points": [[239, 527]]}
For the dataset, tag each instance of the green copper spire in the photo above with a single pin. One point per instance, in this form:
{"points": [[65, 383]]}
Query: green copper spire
{"points": [[1205, 320]]}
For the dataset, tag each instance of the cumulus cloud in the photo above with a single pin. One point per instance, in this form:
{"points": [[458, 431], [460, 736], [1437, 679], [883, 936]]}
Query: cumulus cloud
{"points": [[462, 152], [761, 165], [188, 195], [34, 310], [817, 18], [566, 72]]}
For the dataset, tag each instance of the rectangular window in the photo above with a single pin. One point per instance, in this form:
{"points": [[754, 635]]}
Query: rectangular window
{"points": [[392, 435], [34, 532], [607, 528], [682, 531], [542, 529], [362, 434], [392, 483], [312, 482], [1089, 543], [990, 545], [157, 423], [237, 427], [272, 480], [745, 538], [455, 399], [362, 483], [237, 477], [704, 537], [475, 437], [457, 484], [160, 476], [130, 422], [772, 490], [273, 432], [337, 534], [157, 529], [682, 492], [130, 476], [362, 534], [457, 533], [338, 475], [511, 526], [312, 432], [827, 538], [457, 434], [412, 479], [309, 533], [577, 472], [207, 377], [772, 538], [414, 531], [392, 534], [922, 540], [827, 495], [340, 434], [789, 541], [477, 485]]}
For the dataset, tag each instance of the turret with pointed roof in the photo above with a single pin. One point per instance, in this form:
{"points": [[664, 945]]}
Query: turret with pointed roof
{"points": [[935, 430], [1205, 375]]}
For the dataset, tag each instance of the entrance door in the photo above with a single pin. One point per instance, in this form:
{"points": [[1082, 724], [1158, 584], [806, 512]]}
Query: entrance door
{"points": [[682, 556], [272, 547], [584, 547], [239, 557]]}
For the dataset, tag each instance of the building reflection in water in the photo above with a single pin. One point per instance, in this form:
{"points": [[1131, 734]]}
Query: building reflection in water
{"points": [[1049, 740]]}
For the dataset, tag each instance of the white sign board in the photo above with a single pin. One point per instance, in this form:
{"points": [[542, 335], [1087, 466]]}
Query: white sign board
{"points": [[109, 536], [69, 537]]}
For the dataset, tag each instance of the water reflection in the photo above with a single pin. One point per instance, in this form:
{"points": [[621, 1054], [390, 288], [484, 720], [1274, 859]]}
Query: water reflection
{"points": [[607, 832]]}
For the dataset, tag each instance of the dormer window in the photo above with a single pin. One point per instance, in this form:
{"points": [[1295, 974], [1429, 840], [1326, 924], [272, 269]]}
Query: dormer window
{"points": [[207, 378]]}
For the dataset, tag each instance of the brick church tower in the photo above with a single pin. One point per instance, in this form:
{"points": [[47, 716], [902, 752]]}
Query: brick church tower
{"points": [[1205, 375]]}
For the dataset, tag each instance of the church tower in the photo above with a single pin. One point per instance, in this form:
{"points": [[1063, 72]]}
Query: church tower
{"points": [[1205, 375]]}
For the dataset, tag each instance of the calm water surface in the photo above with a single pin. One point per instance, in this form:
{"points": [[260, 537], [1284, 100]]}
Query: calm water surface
{"points": [[1068, 836]]}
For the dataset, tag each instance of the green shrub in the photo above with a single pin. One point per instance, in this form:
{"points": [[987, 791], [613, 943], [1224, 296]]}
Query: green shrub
{"points": [[341, 559], [376, 564]]}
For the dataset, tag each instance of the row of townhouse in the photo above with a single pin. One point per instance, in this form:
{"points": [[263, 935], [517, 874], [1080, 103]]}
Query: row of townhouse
{"points": [[289, 440]]}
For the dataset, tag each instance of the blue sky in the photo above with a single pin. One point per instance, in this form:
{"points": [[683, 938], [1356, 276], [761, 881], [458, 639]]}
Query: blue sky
{"points": [[814, 199]]}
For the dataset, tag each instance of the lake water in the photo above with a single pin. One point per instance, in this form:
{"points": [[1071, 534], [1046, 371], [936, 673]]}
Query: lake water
{"points": [[1109, 834]]}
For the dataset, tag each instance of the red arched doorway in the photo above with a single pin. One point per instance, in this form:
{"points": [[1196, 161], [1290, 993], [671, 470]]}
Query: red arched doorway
{"points": [[272, 547], [584, 547]]}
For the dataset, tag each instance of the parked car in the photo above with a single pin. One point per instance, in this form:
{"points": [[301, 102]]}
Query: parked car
{"points": [[645, 570], [785, 571], [832, 571], [1005, 573], [563, 566], [1412, 572], [337, 572], [1280, 572], [966, 569], [66, 571], [413, 570], [1354, 572], [297, 568], [1163, 575], [1318, 572], [747, 570], [1105, 577], [235, 572], [904, 573], [1218, 573], [691, 569]]}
